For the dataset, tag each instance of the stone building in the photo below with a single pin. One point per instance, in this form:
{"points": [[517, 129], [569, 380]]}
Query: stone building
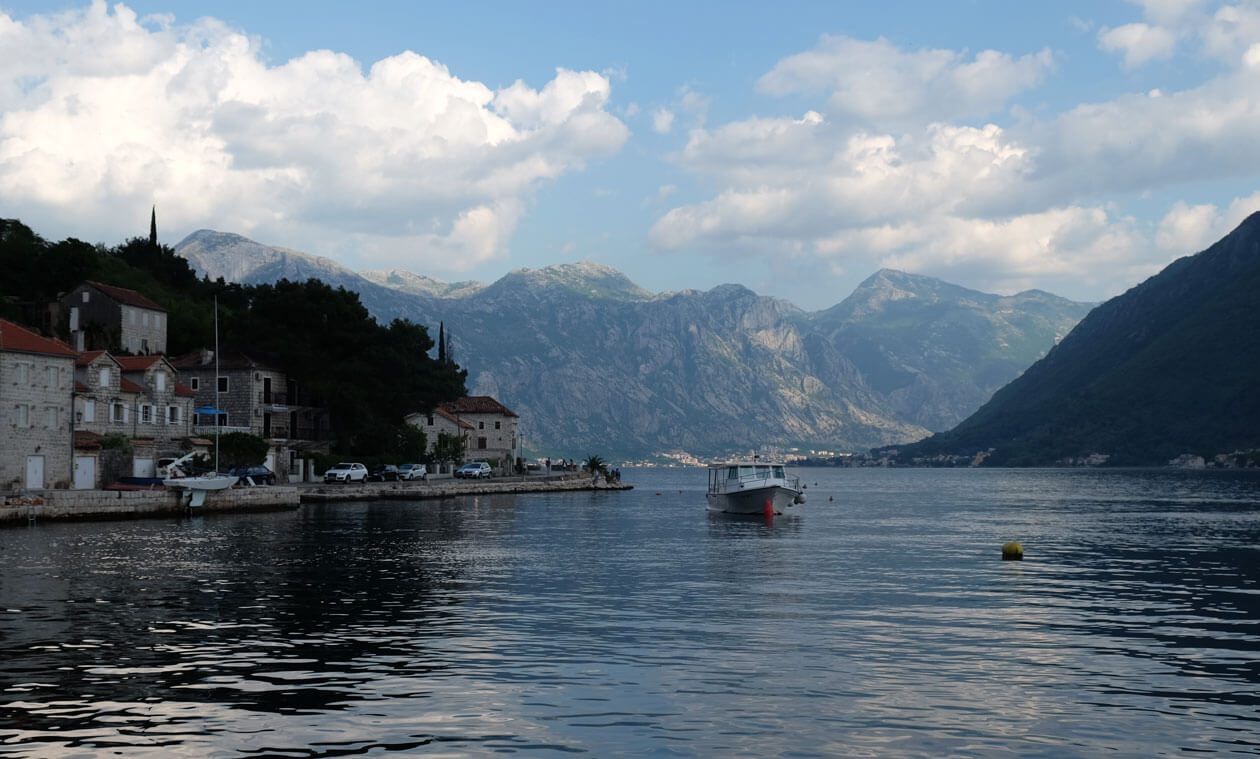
{"points": [[104, 317], [437, 422], [36, 378], [163, 407], [487, 425], [258, 399]]}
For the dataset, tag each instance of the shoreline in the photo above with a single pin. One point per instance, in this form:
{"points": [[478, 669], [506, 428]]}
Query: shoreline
{"points": [[33, 507]]}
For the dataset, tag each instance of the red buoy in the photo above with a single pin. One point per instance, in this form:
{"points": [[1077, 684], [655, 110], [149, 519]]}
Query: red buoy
{"points": [[768, 511]]}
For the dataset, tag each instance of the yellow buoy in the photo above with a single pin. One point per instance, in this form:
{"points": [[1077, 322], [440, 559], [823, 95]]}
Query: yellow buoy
{"points": [[1012, 551]]}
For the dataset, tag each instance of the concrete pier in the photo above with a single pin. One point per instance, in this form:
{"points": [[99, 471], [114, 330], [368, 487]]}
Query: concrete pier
{"points": [[42, 505], [446, 488]]}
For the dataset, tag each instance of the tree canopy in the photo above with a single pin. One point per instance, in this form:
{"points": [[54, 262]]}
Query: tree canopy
{"points": [[366, 374]]}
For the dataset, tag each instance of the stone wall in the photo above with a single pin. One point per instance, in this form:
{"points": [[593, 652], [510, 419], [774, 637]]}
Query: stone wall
{"points": [[131, 504]]}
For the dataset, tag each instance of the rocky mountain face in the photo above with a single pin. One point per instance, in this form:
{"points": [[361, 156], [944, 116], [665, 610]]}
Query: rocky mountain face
{"points": [[595, 364], [1168, 368]]}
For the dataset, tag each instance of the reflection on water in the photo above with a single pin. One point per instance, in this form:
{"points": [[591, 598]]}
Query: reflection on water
{"points": [[629, 624]]}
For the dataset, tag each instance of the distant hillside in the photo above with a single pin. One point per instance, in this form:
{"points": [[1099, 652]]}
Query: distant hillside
{"points": [[594, 363], [1172, 366]]}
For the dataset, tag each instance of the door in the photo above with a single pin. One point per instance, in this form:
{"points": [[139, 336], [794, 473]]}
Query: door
{"points": [[142, 468], [34, 472], [84, 472]]}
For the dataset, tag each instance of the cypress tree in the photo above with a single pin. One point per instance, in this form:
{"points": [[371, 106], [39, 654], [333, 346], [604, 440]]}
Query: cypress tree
{"points": [[441, 343], [153, 228]]}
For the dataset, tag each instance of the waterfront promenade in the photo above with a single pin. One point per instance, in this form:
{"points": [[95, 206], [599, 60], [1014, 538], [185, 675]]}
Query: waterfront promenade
{"points": [[33, 507]]}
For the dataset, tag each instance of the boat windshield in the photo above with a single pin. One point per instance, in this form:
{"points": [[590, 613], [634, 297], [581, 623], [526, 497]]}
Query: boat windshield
{"points": [[778, 472]]}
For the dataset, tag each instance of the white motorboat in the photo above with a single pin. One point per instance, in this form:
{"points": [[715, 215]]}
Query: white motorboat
{"points": [[752, 487]]}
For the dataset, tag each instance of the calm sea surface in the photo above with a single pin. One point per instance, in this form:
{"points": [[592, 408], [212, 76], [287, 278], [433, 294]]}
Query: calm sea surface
{"points": [[882, 623]]}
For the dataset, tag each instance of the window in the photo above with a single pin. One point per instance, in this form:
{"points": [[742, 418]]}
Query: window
{"points": [[23, 373], [89, 410], [223, 384], [194, 383], [481, 443], [160, 379], [144, 318], [157, 320], [52, 376], [146, 414], [172, 415], [481, 425], [85, 296], [117, 413], [105, 377], [430, 420], [51, 417], [22, 415], [496, 425], [144, 345], [132, 311]]}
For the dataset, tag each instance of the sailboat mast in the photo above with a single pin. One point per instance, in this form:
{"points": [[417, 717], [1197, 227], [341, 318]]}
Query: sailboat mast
{"points": [[217, 420]]}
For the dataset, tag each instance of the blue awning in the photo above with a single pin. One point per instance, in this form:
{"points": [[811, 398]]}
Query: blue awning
{"points": [[209, 410]]}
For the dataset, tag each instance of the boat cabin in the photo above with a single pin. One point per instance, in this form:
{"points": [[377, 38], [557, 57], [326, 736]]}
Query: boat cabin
{"points": [[742, 475]]}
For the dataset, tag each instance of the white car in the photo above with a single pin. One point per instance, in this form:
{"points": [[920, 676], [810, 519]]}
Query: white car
{"points": [[346, 472], [413, 472], [474, 470]]}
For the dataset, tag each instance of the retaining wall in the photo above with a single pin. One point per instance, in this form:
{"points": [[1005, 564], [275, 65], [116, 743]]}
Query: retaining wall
{"points": [[132, 504]]}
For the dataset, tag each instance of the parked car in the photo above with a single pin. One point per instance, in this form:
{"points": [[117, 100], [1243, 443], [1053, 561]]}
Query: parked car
{"points": [[346, 472], [474, 470], [413, 472], [383, 473], [261, 475]]}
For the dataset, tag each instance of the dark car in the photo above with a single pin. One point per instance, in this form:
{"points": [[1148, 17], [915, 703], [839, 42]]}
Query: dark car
{"points": [[383, 473], [261, 475]]}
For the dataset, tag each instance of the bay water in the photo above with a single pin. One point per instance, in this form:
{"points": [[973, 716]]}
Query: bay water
{"points": [[879, 620]]}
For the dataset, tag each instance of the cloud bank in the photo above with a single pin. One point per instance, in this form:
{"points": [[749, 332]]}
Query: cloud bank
{"points": [[103, 113], [898, 163]]}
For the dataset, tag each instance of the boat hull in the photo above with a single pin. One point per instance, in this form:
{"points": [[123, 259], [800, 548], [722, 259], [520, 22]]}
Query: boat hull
{"points": [[214, 482], [753, 500]]}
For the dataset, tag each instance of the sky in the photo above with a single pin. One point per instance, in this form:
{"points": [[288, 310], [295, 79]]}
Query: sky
{"points": [[795, 148]]}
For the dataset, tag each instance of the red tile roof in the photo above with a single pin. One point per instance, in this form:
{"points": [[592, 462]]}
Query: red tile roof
{"points": [[477, 404], [85, 440], [182, 389], [136, 363], [22, 340], [448, 415], [123, 295], [87, 357], [130, 387]]}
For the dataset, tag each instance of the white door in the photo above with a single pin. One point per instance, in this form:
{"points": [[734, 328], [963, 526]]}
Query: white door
{"points": [[142, 468], [84, 472], [34, 472]]}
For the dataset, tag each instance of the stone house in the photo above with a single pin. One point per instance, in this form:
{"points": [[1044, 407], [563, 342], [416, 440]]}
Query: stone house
{"points": [[439, 421], [163, 407], [101, 313], [487, 425], [258, 399], [36, 377]]}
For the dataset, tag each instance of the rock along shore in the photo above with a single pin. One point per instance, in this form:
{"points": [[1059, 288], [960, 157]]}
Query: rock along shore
{"points": [[35, 506]]}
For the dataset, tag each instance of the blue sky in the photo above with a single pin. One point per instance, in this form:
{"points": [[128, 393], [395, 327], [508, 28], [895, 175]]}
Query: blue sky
{"points": [[795, 148]]}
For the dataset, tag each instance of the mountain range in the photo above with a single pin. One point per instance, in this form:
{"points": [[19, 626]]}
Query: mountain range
{"points": [[1170, 367], [595, 364]]}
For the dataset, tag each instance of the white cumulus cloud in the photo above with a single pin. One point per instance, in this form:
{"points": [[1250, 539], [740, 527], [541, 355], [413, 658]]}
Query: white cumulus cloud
{"points": [[1140, 43], [405, 163]]}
